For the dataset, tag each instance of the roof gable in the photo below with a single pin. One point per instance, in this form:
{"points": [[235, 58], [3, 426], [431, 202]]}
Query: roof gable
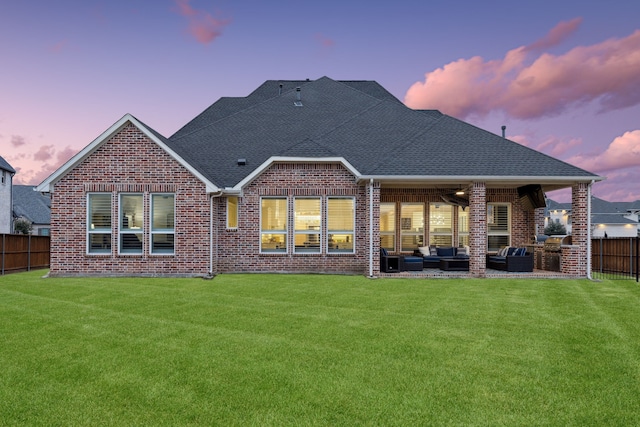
{"points": [[47, 185], [4, 165]]}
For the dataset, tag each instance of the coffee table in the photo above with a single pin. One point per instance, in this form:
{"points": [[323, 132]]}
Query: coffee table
{"points": [[454, 264]]}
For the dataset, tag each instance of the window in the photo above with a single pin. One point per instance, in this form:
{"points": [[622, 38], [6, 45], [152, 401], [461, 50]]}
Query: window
{"points": [[388, 226], [273, 225], [440, 224], [232, 212], [463, 227], [498, 225], [162, 223], [411, 226], [98, 223], [47, 232], [307, 229], [4, 177], [340, 225], [131, 224]]}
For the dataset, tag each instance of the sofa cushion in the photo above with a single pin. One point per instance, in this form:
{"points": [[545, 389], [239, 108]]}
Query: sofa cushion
{"points": [[520, 252], [433, 251], [383, 252], [446, 252], [511, 251]]}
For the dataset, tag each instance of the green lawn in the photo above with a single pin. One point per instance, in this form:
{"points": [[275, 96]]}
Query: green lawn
{"points": [[318, 350]]}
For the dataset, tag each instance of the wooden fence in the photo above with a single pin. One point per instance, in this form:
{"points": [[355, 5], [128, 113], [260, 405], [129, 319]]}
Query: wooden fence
{"points": [[616, 257], [21, 252]]}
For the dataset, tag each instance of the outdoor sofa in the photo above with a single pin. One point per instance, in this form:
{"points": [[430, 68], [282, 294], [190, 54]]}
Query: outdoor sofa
{"points": [[511, 259], [431, 255]]}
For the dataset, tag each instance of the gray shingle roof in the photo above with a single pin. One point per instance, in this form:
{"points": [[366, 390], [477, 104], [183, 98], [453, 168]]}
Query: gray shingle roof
{"points": [[357, 120], [30, 204]]}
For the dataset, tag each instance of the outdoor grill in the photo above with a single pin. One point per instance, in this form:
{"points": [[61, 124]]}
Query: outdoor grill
{"points": [[553, 251]]}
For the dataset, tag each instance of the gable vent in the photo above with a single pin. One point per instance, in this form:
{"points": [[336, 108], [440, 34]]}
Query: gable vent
{"points": [[242, 162]]}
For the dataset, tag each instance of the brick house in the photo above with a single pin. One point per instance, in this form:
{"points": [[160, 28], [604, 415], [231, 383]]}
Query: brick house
{"points": [[299, 176]]}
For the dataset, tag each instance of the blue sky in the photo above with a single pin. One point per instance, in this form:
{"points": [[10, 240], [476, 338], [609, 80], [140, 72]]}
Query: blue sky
{"points": [[563, 76]]}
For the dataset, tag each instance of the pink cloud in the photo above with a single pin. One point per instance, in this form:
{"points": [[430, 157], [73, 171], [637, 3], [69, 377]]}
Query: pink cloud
{"points": [[58, 47], [32, 170], [17, 140], [44, 153], [557, 34], [201, 25], [556, 147], [526, 87], [623, 152], [324, 41]]}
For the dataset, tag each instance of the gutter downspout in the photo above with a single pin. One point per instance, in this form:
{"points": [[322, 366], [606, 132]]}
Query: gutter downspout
{"points": [[371, 227], [589, 230], [211, 230]]}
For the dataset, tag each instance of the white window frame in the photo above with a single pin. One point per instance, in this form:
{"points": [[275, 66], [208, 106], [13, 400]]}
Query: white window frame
{"points": [[128, 230], [391, 233], [285, 231], [308, 232], [418, 234], [153, 232], [490, 215], [347, 232], [232, 214], [92, 231]]}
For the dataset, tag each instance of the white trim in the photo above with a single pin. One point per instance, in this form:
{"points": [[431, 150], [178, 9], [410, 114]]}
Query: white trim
{"points": [[279, 159], [47, 186]]}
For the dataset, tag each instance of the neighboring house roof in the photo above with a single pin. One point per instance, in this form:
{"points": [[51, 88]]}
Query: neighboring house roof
{"points": [[611, 219], [30, 204], [4, 165], [361, 123]]}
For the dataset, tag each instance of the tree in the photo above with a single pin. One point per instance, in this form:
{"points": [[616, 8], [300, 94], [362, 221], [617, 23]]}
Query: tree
{"points": [[23, 226], [555, 228]]}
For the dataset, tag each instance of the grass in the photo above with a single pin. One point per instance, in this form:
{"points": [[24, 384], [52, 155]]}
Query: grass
{"points": [[318, 350]]}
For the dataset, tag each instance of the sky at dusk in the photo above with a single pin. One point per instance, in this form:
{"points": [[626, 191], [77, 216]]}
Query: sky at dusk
{"points": [[563, 76]]}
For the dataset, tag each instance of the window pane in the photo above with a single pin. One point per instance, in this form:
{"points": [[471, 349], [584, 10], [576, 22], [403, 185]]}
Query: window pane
{"points": [[388, 241], [162, 243], [100, 211], [100, 243], [387, 217], [307, 214], [412, 217], [307, 225], [495, 243], [440, 215], [498, 217], [99, 223], [411, 242], [131, 211], [274, 214], [341, 225], [232, 212], [274, 242], [341, 214], [162, 208]]}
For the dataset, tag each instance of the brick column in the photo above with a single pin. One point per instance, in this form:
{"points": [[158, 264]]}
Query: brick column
{"points": [[579, 230], [478, 229], [375, 215]]}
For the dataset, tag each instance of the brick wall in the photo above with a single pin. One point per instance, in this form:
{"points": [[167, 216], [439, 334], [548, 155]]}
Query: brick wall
{"points": [[240, 248], [129, 162]]}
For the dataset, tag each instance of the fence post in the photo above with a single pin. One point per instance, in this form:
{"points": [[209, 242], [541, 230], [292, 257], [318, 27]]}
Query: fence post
{"points": [[29, 253], [3, 251], [637, 257]]}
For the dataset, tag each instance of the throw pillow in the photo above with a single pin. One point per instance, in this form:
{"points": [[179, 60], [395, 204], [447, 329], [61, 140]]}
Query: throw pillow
{"points": [[445, 252], [433, 251], [424, 250]]}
